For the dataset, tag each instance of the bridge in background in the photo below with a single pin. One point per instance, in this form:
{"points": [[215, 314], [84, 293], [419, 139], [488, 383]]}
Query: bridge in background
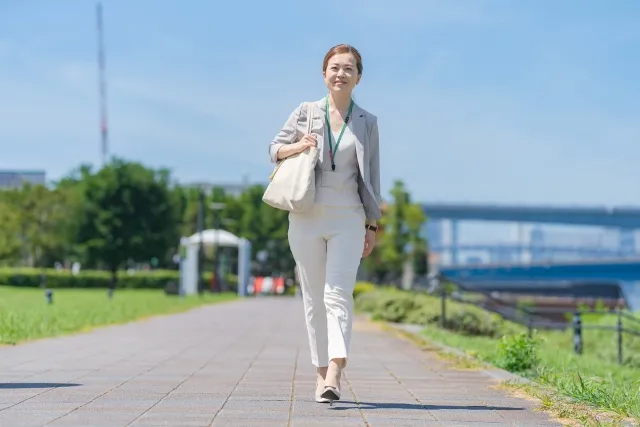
{"points": [[553, 278], [444, 219], [615, 217], [599, 265]]}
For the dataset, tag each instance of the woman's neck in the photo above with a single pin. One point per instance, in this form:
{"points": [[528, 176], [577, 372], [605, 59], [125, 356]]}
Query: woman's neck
{"points": [[339, 101]]}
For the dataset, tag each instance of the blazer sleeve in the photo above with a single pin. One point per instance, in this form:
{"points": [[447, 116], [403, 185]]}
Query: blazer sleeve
{"points": [[374, 159], [286, 135]]}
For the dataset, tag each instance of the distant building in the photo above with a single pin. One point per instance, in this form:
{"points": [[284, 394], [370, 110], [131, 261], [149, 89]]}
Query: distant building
{"points": [[16, 178]]}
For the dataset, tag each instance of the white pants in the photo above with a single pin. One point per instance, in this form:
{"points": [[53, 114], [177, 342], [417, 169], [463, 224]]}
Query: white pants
{"points": [[327, 245]]}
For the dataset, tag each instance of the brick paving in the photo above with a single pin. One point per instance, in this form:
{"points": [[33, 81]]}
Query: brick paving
{"points": [[243, 364]]}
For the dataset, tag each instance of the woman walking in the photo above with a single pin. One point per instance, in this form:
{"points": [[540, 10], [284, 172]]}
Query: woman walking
{"points": [[328, 242]]}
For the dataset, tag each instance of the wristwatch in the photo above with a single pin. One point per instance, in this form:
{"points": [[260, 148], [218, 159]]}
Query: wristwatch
{"points": [[371, 227]]}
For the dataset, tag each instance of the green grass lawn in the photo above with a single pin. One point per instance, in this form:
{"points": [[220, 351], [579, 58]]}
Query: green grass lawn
{"points": [[594, 377], [25, 315]]}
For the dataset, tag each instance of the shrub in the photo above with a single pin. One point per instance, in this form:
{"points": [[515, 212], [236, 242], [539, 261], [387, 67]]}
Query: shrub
{"points": [[518, 353], [367, 302], [416, 308], [424, 315], [362, 288], [31, 277], [470, 320], [394, 307]]}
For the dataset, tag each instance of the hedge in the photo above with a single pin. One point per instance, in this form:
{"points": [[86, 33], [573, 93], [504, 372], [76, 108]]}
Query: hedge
{"points": [[397, 306], [32, 277], [156, 279]]}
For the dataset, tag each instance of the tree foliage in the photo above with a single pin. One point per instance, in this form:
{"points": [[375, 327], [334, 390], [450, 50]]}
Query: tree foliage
{"points": [[38, 218], [9, 235], [126, 214], [401, 239], [130, 214]]}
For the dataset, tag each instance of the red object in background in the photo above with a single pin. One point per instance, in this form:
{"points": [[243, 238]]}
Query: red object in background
{"points": [[278, 285], [270, 285], [257, 285]]}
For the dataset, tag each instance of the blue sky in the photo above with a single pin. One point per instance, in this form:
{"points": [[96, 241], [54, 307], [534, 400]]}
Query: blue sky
{"points": [[502, 101]]}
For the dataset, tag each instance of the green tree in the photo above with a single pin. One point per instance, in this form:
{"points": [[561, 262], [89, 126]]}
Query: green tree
{"points": [[188, 207], [400, 238], [267, 229], [245, 215], [43, 221], [415, 219], [131, 214], [72, 188], [9, 235]]}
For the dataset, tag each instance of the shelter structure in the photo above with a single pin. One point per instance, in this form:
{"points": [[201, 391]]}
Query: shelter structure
{"points": [[221, 238]]}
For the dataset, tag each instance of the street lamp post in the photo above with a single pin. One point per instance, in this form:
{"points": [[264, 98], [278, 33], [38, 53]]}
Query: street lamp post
{"points": [[216, 207], [201, 238], [224, 262]]}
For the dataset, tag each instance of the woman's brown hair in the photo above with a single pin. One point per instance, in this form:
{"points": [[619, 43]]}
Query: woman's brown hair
{"points": [[343, 48]]}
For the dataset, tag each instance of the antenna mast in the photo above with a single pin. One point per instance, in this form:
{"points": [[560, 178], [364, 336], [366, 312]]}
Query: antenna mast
{"points": [[104, 130]]}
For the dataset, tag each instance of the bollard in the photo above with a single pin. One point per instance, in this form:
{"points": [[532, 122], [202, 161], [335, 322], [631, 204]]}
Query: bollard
{"points": [[49, 296], [112, 286], [443, 304], [577, 333], [620, 331]]}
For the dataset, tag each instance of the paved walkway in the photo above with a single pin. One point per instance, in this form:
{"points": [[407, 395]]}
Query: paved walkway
{"points": [[239, 364]]}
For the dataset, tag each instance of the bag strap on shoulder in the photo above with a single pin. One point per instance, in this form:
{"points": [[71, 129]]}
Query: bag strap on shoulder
{"points": [[310, 114]]}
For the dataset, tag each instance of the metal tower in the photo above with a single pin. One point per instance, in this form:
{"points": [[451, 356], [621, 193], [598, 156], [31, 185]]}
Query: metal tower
{"points": [[104, 130]]}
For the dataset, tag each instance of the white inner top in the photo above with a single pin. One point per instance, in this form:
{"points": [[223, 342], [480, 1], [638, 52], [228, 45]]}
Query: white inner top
{"points": [[339, 187]]}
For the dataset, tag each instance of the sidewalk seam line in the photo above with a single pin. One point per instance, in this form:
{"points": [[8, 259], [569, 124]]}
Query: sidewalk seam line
{"points": [[293, 386], [237, 383], [114, 388], [357, 401], [174, 388]]}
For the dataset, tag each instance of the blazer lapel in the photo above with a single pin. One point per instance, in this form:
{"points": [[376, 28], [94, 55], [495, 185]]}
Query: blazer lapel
{"points": [[318, 127], [359, 129]]}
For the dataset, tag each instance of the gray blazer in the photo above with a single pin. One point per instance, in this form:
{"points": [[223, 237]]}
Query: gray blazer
{"points": [[364, 126]]}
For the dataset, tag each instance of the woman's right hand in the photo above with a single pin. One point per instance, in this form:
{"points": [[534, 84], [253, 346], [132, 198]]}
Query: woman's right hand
{"points": [[306, 142], [287, 150]]}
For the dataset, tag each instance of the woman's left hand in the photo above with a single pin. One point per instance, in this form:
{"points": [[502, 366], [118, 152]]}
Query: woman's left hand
{"points": [[369, 243]]}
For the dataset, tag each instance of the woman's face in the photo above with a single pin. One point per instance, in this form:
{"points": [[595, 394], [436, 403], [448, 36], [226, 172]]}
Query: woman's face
{"points": [[341, 74]]}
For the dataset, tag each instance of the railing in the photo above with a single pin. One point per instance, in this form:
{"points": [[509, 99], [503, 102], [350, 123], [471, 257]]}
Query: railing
{"points": [[531, 316], [578, 326]]}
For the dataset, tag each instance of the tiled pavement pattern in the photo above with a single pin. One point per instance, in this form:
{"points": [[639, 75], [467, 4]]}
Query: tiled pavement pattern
{"points": [[243, 364]]}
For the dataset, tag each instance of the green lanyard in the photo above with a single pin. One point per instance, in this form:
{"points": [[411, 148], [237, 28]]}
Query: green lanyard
{"points": [[332, 152]]}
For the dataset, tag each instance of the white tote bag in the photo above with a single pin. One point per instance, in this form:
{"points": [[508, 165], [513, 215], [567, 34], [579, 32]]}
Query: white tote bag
{"points": [[292, 185]]}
